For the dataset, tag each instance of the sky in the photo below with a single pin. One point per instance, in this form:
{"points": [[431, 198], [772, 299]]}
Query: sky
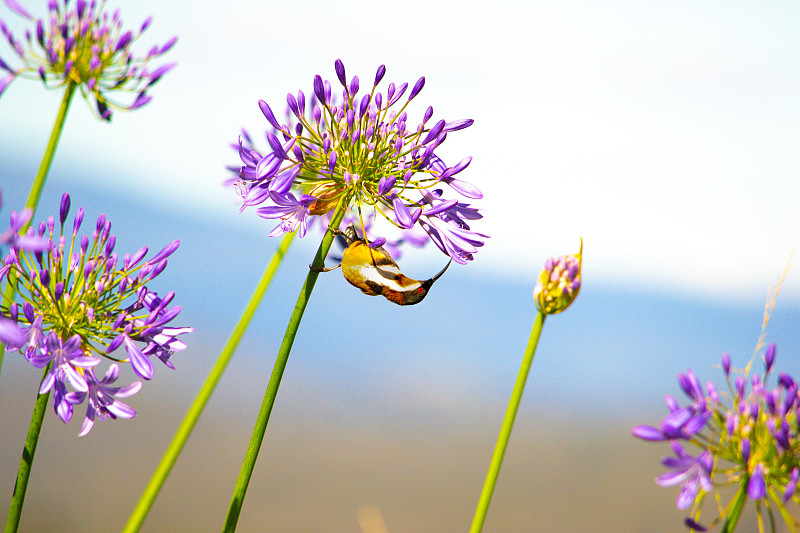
{"points": [[663, 135]]}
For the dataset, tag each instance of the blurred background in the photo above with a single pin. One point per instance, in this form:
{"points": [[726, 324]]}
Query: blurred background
{"points": [[664, 134]]}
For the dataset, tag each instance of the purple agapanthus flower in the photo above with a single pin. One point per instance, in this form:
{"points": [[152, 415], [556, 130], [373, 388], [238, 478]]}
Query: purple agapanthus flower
{"points": [[750, 437], [692, 473], [360, 148], [81, 301], [63, 358], [85, 46], [103, 403], [292, 212]]}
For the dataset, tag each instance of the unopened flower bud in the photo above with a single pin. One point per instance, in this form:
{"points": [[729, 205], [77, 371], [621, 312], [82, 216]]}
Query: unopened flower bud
{"points": [[559, 283]]}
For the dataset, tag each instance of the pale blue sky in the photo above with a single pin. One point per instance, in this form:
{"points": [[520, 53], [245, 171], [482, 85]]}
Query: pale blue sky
{"points": [[664, 134]]}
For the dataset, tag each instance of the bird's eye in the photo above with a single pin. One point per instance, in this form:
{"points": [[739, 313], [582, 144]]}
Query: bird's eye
{"points": [[420, 290]]}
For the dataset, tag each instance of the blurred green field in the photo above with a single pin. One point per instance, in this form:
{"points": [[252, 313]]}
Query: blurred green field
{"points": [[338, 468]]}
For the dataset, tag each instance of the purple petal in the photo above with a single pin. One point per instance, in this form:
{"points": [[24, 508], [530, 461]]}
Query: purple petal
{"points": [[140, 363], [160, 71], [75, 379], [756, 487], [319, 89], [267, 111], [165, 252], [10, 334], [15, 6], [402, 213], [417, 88], [169, 44], [121, 410], [292, 103], [691, 524], [4, 66], [129, 390], [648, 433], [88, 422], [339, 67], [458, 124], [379, 74], [275, 144], [386, 184], [441, 207], [769, 357], [47, 382], [5, 82]]}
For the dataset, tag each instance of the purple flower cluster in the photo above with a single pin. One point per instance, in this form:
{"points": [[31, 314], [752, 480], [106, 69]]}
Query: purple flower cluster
{"points": [[361, 151], [747, 437], [85, 46], [81, 300]]}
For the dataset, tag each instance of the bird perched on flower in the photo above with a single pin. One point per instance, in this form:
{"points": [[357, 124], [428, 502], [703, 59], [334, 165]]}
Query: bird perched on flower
{"points": [[369, 267]]}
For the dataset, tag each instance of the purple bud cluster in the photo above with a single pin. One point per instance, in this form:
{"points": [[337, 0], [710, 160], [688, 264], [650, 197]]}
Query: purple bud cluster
{"points": [[85, 46], [81, 300], [360, 148], [748, 436], [559, 283]]}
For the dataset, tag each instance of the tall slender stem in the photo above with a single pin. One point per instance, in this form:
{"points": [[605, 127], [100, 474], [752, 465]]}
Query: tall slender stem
{"points": [[38, 182], [26, 464], [260, 427], [50, 151], [505, 429], [184, 430]]}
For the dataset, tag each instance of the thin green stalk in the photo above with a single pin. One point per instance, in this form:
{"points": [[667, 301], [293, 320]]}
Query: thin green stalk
{"points": [[38, 183], [182, 434], [50, 151], [505, 430], [277, 372], [739, 500], [26, 464]]}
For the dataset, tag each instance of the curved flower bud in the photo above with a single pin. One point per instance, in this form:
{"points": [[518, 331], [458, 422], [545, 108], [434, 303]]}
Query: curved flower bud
{"points": [[769, 357], [339, 67], [379, 75], [417, 88], [559, 283], [756, 487]]}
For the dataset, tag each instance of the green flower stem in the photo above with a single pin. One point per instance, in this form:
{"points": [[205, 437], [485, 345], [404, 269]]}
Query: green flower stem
{"points": [[277, 372], [505, 430], [47, 160], [787, 517], [182, 434], [38, 182], [25, 466], [738, 504]]}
